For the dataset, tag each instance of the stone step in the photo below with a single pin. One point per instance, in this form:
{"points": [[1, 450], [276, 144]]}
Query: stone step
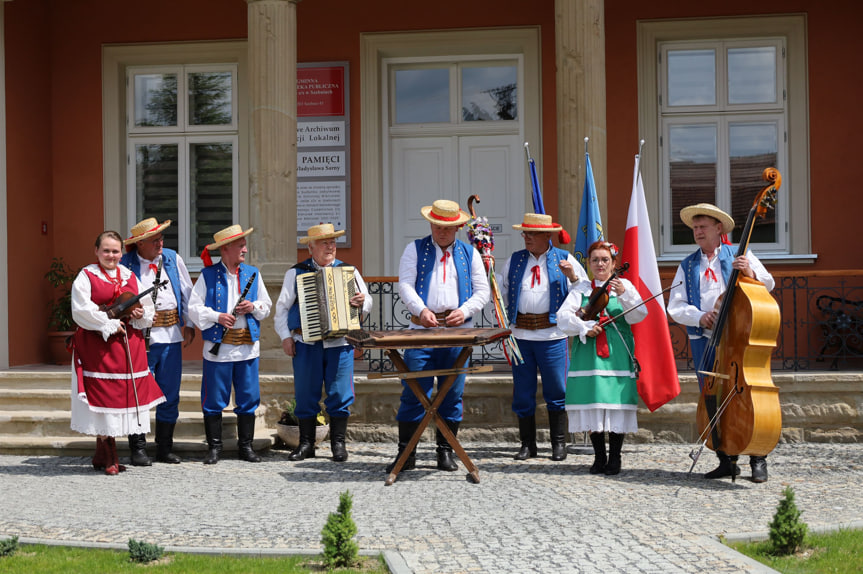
{"points": [[80, 445], [33, 398]]}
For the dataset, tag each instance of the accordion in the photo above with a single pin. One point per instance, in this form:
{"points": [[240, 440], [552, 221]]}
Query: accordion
{"points": [[324, 297]]}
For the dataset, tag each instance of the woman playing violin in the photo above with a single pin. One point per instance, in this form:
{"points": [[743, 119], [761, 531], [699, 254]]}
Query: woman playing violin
{"points": [[110, 397], [702, 277], [601, 388]]}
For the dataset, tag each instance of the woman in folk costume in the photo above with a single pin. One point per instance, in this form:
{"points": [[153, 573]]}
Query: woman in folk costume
{"points": [[107, 399], [601, 387]]}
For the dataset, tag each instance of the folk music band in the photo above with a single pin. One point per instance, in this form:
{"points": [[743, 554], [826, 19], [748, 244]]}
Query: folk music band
{"points": [[125, 364]]}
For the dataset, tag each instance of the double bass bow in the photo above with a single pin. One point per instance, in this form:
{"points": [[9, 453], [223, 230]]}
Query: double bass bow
{"points": [[738, 410]]}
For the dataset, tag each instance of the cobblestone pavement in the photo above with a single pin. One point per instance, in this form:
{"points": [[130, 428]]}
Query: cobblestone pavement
{"points": [[534, 516]]}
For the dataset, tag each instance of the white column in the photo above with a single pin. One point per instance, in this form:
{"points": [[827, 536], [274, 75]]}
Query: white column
{"points": [[580, 58]]}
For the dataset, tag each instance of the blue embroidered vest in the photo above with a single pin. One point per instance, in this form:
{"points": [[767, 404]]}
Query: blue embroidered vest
{"points": [[306, 266], [462, 255], [692, 271], [557, 288], [169, 266], [216, 280]]}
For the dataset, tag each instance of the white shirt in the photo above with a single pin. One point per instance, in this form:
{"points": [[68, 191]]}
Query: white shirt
{"points": [[289, 295], [86, 313], [535, 297], [572, 325], [205, 317], [679, 308], [166, 300], [442, 294]]}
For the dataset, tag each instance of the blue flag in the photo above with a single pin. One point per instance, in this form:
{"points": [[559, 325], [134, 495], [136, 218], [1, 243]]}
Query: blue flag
{"points": [[589, 221]]}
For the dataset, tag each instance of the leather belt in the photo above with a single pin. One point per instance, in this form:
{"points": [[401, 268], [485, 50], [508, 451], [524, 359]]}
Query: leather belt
{"points": [[532, 321], [441, 318], [167, 318], [237, 337]]}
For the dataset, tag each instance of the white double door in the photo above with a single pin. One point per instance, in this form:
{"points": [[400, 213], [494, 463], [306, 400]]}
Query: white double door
{"points": [[423, 169]]}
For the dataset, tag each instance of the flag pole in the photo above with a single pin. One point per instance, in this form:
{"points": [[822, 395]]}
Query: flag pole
{"points": [[586, 139]]}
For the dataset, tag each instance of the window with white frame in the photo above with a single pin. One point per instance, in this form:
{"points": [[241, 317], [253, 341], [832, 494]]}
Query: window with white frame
{"points": [[722, 116], [182, 145]]}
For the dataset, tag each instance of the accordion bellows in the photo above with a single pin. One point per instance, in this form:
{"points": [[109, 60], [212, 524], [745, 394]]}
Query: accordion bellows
{"points": [[324, 297]]}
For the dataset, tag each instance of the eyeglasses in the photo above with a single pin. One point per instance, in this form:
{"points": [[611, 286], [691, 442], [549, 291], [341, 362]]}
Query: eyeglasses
{"points": [[532, 233]]}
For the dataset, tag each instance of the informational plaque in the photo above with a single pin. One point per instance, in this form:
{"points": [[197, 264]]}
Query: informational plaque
{"points": [[323, 151]]}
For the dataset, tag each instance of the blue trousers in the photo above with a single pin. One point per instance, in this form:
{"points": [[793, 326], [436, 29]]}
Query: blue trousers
{"points": [[216, 387], [166, 364], [552, 360], [697, 346], [411, 410], [331, 368]]}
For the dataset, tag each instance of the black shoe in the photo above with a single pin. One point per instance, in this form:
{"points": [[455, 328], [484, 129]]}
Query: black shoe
{"points": [[406, 433], [615, 444], [165, 442], [557, 425], [338, 429], [597, 439], [306, 448], [445, 459], [727, 467], [527, 434], [138, 450], [245, 438], [213, 429], [758, 464]]}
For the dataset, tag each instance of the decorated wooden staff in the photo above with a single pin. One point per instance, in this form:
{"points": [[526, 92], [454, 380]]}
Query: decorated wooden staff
{"points": [[480, 234]]}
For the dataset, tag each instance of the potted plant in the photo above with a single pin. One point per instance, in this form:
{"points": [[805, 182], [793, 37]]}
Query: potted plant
{"points": [[60, 324], [288, 426]]}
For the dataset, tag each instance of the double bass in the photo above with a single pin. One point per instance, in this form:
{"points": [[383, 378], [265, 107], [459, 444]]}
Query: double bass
{"points": [[738, 410]]}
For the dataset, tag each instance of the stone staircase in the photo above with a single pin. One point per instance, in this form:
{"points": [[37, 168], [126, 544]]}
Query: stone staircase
{"points": [[35, 417]]}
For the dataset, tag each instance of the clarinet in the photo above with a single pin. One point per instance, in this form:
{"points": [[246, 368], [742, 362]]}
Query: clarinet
{"points": [[215, 348]]}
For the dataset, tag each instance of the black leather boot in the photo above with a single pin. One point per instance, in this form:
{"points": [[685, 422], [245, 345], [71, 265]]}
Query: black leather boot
{"points": [[213, 429], [758, 464], [445, 459], [138, 450], [245, 438], [557, 421], [597, 439], [615, 443], [727, 467], [338, 428], [406, 432], [165, 442], [306, 448], [527, 434]]}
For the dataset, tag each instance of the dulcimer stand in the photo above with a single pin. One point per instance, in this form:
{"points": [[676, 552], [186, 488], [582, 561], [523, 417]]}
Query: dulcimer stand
{"points": [[393, 342]]}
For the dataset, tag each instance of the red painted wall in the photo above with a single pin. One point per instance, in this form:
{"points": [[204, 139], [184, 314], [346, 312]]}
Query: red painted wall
{"points": [[835, 112]]}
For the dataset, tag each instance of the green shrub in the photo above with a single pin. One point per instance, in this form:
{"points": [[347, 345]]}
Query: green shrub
{"points": [[144, 552], [787, 531], [339, 548], [8, 546]]}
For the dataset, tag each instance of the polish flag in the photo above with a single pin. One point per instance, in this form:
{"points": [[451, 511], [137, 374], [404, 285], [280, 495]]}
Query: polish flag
{"points": [[658, 382]]}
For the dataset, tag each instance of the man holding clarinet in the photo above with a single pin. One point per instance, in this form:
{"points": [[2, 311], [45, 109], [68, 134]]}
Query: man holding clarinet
{"points": [[228, 303]]}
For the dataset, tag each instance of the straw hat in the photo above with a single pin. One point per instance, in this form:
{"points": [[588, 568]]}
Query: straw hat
{"points": [[146, 229], [322, 231], [538, 222], [687, 214], [228, 235], [444, 212]]}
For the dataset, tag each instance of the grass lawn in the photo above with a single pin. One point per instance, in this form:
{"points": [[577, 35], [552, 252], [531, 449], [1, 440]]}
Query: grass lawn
{"points": [[69, 560], [837, 553]]}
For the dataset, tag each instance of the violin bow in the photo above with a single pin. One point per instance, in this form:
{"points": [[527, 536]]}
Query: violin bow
{"points": [[132, 374], [613, 318]]}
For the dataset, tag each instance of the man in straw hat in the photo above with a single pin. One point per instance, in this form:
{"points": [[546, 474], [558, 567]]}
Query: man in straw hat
{"points": [[703, 276], [534, 284], [150, 261], [443, 283], [234, 328], [329, 363]]}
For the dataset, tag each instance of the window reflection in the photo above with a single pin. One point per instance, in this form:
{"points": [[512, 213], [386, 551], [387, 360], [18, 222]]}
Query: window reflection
{"points": [[691, 78], [156, 184], [422, 96], [210, 98], [155, 100], [752, 147], [489, 93], [752, 75], [211, 191], [692, 172]]}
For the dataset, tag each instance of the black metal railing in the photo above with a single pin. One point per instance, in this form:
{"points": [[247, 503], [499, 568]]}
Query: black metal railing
{"points": [[821, 326]]}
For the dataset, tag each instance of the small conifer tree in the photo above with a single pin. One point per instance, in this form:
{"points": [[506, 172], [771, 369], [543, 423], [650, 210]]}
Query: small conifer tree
{"points": [[143, 552], [8, 546], [787, 531], [337, 536]]}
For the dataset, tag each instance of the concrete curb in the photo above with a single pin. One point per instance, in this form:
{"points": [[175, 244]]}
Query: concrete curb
{"points": [[393, 559]]}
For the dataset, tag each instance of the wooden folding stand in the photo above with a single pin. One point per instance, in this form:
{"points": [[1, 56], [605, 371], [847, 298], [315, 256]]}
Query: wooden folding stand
{"points": [[392, 341]]}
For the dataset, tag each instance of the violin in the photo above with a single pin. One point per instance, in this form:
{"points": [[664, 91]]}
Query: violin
{"points": [[598, 299], [127, 302], [738, 410]]}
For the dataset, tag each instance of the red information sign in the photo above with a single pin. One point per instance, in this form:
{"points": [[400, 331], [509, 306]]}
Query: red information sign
{"points": [[320, 91]]}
